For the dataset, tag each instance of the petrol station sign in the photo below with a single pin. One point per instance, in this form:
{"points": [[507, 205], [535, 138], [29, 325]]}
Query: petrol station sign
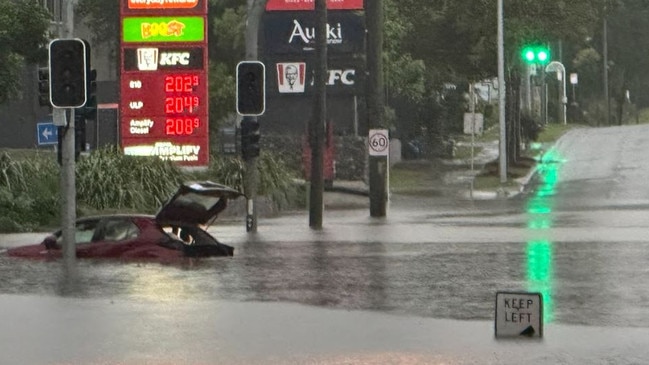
{"points": [[280, 5], [164, 74], [163, 29], [198, 7]]}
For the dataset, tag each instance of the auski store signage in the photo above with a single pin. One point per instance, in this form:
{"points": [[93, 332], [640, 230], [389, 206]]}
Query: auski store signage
{"points": [[294, 32]]}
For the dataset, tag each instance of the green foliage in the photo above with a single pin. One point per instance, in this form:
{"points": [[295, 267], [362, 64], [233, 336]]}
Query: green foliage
{"points": [[222, 93], [102, 17], [23, 38], [276, 180], [229, 32], [108, 179], [530, 128], [227, 171], [28, 192]]}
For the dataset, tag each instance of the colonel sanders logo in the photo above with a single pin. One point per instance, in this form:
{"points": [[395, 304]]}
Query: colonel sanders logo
{"points": [[291, 77]]}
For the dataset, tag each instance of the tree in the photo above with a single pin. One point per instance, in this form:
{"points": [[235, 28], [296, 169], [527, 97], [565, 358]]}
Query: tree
{"points": [[628, 54], [23, 39], [457, 41]]}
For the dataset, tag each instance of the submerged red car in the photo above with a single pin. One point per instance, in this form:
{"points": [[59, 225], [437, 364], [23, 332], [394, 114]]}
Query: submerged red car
{"points": [[175, 231]]}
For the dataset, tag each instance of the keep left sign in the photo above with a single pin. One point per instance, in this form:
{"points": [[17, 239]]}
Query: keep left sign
{"points": [[519, 314]]}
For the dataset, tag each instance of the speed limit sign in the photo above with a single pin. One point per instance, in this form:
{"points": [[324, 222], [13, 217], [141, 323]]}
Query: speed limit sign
{"points": [[379, 144]]}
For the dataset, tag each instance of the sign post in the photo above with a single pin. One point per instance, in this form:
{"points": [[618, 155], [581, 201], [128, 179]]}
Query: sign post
{"points": [[519, 314], [379, 150]]}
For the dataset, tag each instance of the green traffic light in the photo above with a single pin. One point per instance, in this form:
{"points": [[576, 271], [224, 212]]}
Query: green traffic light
{"points": [[543, 56], [535, 54], [529, 56]]}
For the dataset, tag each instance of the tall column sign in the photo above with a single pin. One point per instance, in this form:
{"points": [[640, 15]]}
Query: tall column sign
{"points": [[163, 91]]}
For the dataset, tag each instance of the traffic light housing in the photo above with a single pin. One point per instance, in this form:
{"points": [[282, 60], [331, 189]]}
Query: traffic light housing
{"points": [[79, 136], [68, 66], [251, 88], [89, 110], [44, 87], [249, 138], [535, 54]]}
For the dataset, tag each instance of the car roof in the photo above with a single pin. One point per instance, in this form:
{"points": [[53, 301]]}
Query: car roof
{"points": [[196, 203], [115, 215]]}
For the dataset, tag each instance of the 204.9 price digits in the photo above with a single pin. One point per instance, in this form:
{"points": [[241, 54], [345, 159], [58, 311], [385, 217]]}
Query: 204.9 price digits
{"points": [[181, 126], [178, 104]]}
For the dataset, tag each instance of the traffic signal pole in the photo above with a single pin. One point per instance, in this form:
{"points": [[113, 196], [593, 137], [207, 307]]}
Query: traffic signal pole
{"points": [[68, 166], [68, 190], [68, 89], [250, 152]]}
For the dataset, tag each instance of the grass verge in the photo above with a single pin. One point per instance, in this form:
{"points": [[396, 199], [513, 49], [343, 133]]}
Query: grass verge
{"points": [[489, 178]]}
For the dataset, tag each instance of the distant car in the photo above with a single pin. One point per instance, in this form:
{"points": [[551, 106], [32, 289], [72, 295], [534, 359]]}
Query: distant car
{"points": [[175, 231]]}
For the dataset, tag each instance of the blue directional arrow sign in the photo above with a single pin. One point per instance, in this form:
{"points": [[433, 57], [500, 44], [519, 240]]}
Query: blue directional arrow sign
{"points": [[47, 133]]}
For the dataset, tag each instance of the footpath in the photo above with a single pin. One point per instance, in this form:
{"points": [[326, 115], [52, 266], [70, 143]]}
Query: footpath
{"points": [[455, 178]]}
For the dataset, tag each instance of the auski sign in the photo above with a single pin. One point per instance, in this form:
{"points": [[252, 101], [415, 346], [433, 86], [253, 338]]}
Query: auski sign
{"points": [[295, 33]]}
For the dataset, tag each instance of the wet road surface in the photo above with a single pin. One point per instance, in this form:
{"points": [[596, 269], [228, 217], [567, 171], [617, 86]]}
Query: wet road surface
{"points": [[416, 287]]}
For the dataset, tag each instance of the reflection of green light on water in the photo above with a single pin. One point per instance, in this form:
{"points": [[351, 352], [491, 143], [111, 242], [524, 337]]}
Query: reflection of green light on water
{"points": [[539, 206], [551, 176], [540, 222], [545, 191], [539, 252], [539, 274]]}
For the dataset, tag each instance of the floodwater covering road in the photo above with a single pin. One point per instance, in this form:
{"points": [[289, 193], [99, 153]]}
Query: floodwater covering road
{"points": [[417, 287]]}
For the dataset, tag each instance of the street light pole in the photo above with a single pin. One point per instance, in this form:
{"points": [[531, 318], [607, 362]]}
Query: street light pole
{"points": [[605, 67], [501, 95], [560, 70]]}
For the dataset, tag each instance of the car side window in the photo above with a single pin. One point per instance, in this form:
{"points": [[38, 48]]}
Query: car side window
{"points": [[85, 230], [117, 230]]}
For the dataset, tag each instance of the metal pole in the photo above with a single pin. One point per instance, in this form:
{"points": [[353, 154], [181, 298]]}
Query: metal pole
{"points": [[68, 178], [378, 165], [251, 175], [317, 124], [544, 97], [605, 66], [501, 95], [527, 88], [472, 103], [564, 99]]}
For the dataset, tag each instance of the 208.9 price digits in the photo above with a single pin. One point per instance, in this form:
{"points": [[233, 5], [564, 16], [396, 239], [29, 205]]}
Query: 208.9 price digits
{"points": [[181, 126]]}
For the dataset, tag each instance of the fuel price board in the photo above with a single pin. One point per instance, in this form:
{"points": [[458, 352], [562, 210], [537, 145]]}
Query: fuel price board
{"points": [[163, 87]]}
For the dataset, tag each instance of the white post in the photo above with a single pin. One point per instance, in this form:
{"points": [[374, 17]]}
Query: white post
{"points": [[556, 66], [501, 95]]}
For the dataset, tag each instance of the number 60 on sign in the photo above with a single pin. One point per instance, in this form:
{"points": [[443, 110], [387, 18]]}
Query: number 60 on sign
{"points": [[378, 142]]}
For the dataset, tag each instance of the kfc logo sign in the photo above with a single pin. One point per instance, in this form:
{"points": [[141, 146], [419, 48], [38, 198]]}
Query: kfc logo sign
{"points": [[291, 77], [174, 58], [153, 59], [345, 77]]}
